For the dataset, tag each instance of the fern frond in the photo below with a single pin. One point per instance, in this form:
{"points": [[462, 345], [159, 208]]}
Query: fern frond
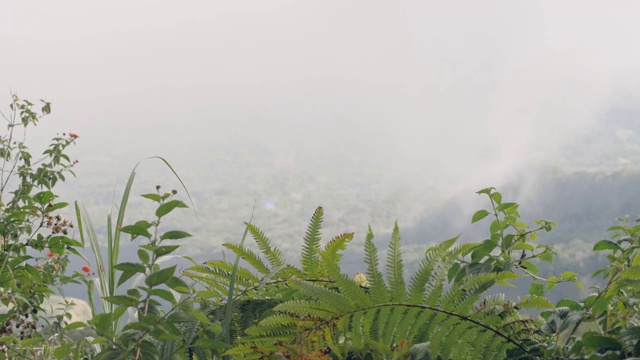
{"points": [[377, 286], [338, 301], [273, 254], [310, 259], [395, 268], [528, 302], [307, 308], [419, 280], [333, 248], [249, 256]]}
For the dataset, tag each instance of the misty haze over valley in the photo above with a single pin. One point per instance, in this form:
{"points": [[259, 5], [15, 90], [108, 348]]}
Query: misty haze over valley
{"points": [[377, 111]]}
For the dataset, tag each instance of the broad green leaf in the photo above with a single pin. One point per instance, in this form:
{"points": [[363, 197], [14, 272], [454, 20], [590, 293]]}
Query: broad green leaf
{"points": [[132, 267], [497, 197], [143, 256], [43, 197], [125, 300], [75, 325], [174, 235], [160, 277], [505, 206], [164, 250], [57, 206], [135, 231], [529, 266], [606, 245], [536, 289], [600, 343], [154, 197], [169, 206], [553, 281], [178, 285], [573, 305], [64, 350], [479, 215], [164, 294], [128, 270]]}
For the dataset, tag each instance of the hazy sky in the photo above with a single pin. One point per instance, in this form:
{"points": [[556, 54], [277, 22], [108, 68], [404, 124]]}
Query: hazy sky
{"points": [[456, 90]]}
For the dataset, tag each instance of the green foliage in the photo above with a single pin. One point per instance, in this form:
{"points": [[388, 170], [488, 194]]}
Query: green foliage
{"points": [[441, 311], [34, 242], [606, 323], [448, 308]]}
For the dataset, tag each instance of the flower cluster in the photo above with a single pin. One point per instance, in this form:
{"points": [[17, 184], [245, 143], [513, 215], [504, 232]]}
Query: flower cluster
{"points": [[57, 224]]}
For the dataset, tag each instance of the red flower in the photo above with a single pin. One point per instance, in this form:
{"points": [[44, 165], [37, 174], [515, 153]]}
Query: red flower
{"points": [[86, 269], [74, 135], [50, 254]]}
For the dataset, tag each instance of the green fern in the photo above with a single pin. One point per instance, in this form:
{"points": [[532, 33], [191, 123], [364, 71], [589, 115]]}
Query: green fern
{"points": [[310, 259], [439, 312]]}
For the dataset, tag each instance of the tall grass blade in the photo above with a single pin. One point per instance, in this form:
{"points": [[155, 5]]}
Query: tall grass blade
{"points": [[226, 328]]}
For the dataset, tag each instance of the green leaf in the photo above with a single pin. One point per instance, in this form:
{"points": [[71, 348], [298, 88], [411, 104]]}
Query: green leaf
{"points": [[75, 325], [164, 250], [174, 235], [536, 289], [135, 231], [479, 215], [178, 285], [553, 281], [128, 270], [160, 277], [125, 300], [497, 197], [57, 206], [155, 197], [169, 206], [164, 294], [143, 256], [505, 206], [529, 266], [43, 197], [606, 245], [600, 343]]}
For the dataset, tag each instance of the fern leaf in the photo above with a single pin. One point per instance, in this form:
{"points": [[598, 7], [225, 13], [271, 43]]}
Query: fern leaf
{"points": [[307, 308], [310, 258], [333, 248], [377, 286], [395, 268], [249, 256], [339, 302], [273, 254], [418, 282]]}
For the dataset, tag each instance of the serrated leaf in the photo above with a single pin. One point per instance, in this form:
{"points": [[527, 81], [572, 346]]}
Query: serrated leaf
{"points": [[536, 289]]}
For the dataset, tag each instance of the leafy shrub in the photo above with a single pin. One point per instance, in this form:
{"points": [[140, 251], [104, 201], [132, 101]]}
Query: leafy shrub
{"points": [[34, 242]]}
